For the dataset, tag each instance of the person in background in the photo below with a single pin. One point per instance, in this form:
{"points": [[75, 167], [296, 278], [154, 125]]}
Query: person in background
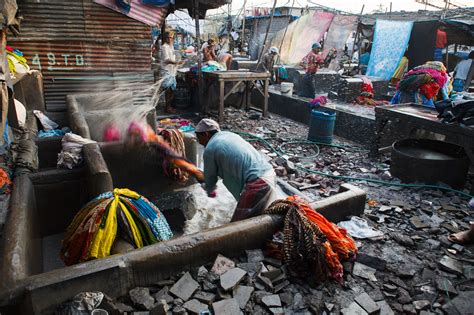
{"points": [[461, 72], [208, 51], [268, 62], [244, 171], [169, 67], [364, 59], [441, 41], [311, 63], [223, 55]]}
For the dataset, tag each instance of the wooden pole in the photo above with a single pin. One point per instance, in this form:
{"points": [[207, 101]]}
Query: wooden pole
{"points": [[242, 40], [266, 34], [199, 54]]}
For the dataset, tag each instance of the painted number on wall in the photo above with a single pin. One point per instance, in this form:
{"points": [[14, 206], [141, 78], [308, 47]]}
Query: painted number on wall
{"points": [[58, 62]]}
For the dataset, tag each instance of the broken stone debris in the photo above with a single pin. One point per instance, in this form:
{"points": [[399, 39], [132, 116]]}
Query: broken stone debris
{"points": [[185, 287], [231, 278]]}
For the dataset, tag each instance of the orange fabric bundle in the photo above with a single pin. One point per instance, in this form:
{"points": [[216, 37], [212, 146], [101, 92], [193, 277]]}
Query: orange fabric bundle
{"points": [[341, 242]]}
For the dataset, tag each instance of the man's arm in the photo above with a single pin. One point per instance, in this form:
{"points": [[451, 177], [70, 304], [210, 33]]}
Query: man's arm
{"points": [[210, 171]]}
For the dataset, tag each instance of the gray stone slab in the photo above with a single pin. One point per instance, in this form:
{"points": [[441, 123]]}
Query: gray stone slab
{"points": [[205, 297], [222, 264], [227, 307], [195, 307], [254, 255], [385, 308], [464, 302], [421, 305], [364, 271], [451, 265], [185, 287], [141, 297], [232, 278], [272, 300], [366, 302], [353, 309], [444, 285], [163, 294], [242, 294]]}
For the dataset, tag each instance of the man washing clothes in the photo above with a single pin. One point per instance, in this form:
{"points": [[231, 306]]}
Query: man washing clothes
{"points": [[244, 171], [311, 63]]}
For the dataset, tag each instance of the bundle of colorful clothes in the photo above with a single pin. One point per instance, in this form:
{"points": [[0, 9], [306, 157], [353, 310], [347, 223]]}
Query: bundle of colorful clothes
{"points": [[179, 123], [422, 84], [366, 96], [119, 214], [175, 140], [318, 101], [312, 246], [17, 63], [143, 133]]}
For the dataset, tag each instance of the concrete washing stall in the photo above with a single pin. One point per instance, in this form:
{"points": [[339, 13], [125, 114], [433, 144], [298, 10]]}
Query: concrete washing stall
{"points": [[43, 204]]}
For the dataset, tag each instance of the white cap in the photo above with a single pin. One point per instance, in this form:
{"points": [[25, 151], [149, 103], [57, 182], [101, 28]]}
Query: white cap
{"points": [[274, 50], [207, 124]]}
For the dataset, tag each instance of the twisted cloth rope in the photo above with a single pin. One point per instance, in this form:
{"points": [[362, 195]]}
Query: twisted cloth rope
{"points": [[312, 246], [174, 138]]}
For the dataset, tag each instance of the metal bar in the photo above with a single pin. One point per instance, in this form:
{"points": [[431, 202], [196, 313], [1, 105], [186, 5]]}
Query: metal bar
{"points": [[198, 40]]}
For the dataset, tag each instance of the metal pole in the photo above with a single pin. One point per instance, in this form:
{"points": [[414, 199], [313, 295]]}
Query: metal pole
{"points": [[199, 55], [266, 34], [242, 40]]}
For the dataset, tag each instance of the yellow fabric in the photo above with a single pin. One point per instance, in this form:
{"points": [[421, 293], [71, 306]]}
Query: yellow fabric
{"points": [[135, 232], [126, 192], [401, 69], [105, 236]]}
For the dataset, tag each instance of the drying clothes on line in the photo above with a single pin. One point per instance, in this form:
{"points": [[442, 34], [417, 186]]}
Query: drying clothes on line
{"points": [[53, 133], [366, 96], [312, 246], [98, 224], [143, 133], [71, 154], [175, 140], [422, 84]]}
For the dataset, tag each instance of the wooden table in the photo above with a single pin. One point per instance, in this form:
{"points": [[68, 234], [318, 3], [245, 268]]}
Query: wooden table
{"points": [[237, 77]]}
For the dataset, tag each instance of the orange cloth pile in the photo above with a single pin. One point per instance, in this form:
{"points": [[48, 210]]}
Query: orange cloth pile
{"points": [[312, 246]]}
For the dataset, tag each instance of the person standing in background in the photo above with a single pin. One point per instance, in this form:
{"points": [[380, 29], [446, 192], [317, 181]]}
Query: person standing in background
{"points": [[169, 67], [461, 72], [311, 63], [441, 41]]}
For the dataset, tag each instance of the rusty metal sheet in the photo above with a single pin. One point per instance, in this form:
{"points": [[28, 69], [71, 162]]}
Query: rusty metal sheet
{"points": [[80, 46]]}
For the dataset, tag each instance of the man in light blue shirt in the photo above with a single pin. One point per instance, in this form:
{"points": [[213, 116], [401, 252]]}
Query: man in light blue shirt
{"points": [[244, 171]]}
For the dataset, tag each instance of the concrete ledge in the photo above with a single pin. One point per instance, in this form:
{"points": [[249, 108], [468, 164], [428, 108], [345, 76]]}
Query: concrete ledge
{"points": [[349, 125]]}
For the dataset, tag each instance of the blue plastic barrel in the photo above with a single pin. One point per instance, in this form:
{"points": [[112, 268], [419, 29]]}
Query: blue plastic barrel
{"points": [[321, 127]]}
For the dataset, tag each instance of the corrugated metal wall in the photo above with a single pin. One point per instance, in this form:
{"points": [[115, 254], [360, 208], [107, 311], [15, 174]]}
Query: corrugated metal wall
{"points": [[80, 46]]}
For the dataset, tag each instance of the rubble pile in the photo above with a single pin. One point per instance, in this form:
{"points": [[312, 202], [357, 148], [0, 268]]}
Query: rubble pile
{"points": [[408, 266]]}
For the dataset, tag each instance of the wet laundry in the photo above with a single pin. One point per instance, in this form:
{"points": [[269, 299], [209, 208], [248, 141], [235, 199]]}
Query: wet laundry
{"points": [[119, 214]]}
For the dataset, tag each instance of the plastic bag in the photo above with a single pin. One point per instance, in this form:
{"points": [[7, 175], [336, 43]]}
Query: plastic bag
{"points": [[359, 228], [47, 123]]}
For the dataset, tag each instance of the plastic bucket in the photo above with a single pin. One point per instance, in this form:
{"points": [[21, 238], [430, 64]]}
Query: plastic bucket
{"points": [[321, 127], [286, 88]]}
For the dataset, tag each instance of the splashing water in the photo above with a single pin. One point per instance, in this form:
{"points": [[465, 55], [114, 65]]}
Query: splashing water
{"points": [[111, 112]]}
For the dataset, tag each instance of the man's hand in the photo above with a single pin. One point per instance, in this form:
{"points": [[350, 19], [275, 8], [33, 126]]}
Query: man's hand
{"points": [[212, 194]]}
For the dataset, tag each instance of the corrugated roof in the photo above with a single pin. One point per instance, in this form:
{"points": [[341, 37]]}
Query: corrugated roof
{"points": [[148, 14]]}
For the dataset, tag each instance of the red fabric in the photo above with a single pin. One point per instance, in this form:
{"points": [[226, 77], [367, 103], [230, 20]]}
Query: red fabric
{"points": [[252, 200], [312, 62], [429, 90], [441, 39]]}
